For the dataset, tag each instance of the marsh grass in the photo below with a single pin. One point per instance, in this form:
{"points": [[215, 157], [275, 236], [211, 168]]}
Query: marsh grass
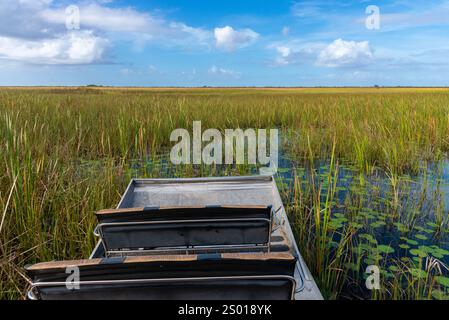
{"points": [[339, 236], [73, 151]]}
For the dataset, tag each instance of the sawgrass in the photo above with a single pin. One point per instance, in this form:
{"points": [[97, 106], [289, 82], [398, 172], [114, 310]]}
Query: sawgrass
{"points": [[66, 152]]}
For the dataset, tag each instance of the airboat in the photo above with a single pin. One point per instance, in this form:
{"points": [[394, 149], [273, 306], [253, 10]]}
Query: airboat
{"points": [[225, 238]]}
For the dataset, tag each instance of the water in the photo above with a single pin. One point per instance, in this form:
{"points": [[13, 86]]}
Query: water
{"points": [[400, 229]]}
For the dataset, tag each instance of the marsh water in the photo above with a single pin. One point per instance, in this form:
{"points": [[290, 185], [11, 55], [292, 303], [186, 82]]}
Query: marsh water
{"points": [[398, 223]]}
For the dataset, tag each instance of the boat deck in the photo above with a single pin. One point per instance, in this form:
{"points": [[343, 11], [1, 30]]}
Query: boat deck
{"points": [[201, 238], [224, 191]]}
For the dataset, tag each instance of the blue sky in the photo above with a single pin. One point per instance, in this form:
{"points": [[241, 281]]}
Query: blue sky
{"points": [[224, 43]]}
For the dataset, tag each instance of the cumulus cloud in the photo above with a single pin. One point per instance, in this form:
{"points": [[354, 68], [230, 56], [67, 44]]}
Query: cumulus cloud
{"points": [[21, 19], [104, 18], [128, 20], [228, 39], [293, 52], [342, 53], [74, 48], [35, 31], [339, 53]]}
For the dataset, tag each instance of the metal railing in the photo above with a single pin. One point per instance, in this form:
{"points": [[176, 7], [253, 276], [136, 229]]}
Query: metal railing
{"points": [[33, 293], [99, 232]]}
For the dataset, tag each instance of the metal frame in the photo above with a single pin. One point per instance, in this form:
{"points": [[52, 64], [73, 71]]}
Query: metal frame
{"points": [[191, 250], [31, 295], [98, 231], [308, 288], [199, 180], [304, 274]]}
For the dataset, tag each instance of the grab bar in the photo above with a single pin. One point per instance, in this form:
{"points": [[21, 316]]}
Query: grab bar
{"points": [[33, 296]]}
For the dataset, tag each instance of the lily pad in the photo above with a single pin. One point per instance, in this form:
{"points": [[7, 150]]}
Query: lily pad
{"points": [[444, 281], [432, 224], [418, 273], [387, 274], [419, 253], [421, 237], [336, 223], [375, 257], [439, 295], [405, 259], [393, 268], [368, 237], [401, 227], [441, 251], [385, 249], [378, 224], [411, 242], [355, 225], [418, 228]]}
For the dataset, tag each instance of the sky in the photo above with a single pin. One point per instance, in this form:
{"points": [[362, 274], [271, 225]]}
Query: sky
{"points": [[224, 43]]}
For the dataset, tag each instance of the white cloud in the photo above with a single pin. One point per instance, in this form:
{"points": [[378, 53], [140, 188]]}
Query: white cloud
{"points": [[225, 72], [228, 39], [21, 19], [74, 48], [128, 20], [284, 54], [284, 51], [339, 53], [35, 32], [104, 18], [345, 53], [295, 52]]}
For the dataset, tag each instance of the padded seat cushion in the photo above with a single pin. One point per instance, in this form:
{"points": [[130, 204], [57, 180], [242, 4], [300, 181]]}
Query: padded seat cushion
{"points": [[183, 213], [151, 228], [237, 289], [167, 266]]}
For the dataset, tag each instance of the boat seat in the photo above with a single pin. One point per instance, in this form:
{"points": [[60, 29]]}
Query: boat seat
{"points": [[209, 276], [278, 243], [166, 228]]}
